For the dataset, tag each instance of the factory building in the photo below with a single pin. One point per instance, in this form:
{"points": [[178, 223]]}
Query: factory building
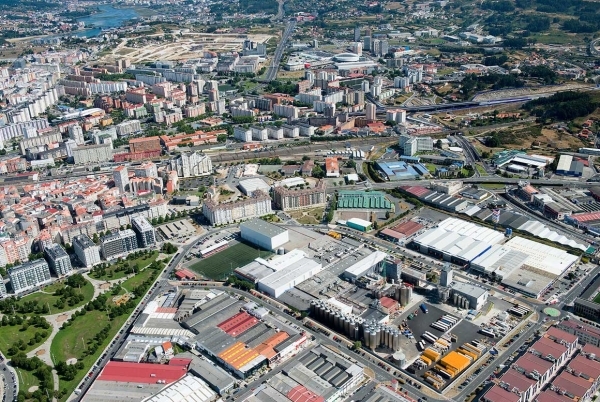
{"points": [[296, 271], [567, 166], [248, 186], [467, 296], [320, 376], [362, 264], [457, 241], [236, 340], [359, 224], [264, 234]]}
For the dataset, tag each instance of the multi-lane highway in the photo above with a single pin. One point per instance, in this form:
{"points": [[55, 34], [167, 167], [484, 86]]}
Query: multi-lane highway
{"points": [[274, 66]]}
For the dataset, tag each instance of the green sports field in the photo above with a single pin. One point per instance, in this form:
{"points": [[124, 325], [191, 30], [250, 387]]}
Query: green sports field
{"points": [[219, 266]]}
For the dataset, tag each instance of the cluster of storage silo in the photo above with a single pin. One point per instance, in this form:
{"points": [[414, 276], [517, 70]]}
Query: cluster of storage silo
{"points": [[377, 335], [460, 301], [403, 294], [356, 328]]}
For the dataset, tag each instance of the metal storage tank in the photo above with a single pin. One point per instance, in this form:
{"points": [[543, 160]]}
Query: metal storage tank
{"points": [[378, 336], [312, 307], [347, 326], [366, 340], [396, 342], [336, 321], [329, 318], [405, 295], [356, 333], [352, 325], [372, 339], [455, 299], [399, 358], [321, 313]]}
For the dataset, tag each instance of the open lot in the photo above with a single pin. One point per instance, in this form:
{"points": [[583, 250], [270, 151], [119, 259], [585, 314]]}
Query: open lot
{"points": [[464, 330], [222, 264], [310, 216]]}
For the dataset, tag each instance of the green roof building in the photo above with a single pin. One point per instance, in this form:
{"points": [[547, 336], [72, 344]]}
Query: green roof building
{"points": [[363, 200]]}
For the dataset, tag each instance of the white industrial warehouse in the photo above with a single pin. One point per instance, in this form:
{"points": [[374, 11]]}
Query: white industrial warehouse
{"points": [[264, 234], [293, 268], [458, 241], [248, 186], [521, 264], [363, 264]]}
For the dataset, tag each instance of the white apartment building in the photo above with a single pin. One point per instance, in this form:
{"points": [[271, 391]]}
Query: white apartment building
{"points": [[87, 252], [190, 164]]}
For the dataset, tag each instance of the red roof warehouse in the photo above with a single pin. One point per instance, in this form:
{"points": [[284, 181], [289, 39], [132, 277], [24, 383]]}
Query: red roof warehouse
{"points": [[142, 372]]}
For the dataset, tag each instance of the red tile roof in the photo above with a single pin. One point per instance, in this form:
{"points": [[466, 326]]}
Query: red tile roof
{"points": [[176, 361], [301, 394], [582, 364], [530, 362], [551, 396], [547, 346], [576, 386], [408, 228], [141, 372], [498, 394], [561, 335], [392, 233], [417, 191], [388, 302], [514, 379], [238, 324]]}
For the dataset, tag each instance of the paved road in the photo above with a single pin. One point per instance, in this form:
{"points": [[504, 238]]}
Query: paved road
{"points": [[274, 67], [11, 389]]}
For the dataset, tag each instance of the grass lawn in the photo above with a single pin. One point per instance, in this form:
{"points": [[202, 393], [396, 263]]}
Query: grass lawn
{"points": [[71, 335], [140, 263], [491, 186], [597, 298], [9, 334], [69, 342], [26, 379], [137, 280], [308, 217], [431, 167], [222, 264], [47, 297], [481, 170]]}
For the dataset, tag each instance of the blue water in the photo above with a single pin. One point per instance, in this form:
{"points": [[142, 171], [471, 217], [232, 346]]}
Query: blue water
{"points": [[107, 17]]}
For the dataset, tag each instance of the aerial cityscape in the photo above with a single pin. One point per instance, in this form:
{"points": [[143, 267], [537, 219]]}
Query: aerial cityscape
{"points": [[289, 201]]}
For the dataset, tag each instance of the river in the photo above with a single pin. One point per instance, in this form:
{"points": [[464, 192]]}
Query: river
{"points": [[107, 17]]}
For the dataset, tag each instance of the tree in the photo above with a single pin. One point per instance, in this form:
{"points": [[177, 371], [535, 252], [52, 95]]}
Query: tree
{"points": [[438, 144], [357, 345], [318, 172]]}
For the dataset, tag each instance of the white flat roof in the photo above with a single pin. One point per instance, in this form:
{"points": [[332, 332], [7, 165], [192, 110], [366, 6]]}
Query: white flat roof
{"points": [[564, 163], [249, 185], [358, 221], [187, 389], [527, 160], [290, 273], [542, 257], [360, 267]]}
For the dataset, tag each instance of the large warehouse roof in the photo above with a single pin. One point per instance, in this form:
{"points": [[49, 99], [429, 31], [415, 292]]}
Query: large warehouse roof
{"points": [[188, 389], [290, 273], [500, 260], [266, 228], [363, 265], [545, 258], [250, 185], [458, 238]]}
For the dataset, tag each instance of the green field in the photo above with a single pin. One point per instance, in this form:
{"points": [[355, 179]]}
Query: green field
{"points": [[71, 337], [481, 170], [222, 264], [137, 280], [9, 334], [46, 296], [597, 298], [112, 273], [26, 379], [492, 186]]}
